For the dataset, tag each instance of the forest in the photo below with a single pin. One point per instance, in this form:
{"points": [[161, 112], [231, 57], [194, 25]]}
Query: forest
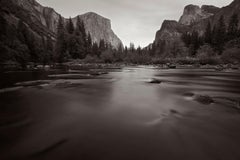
{"points": [[220, 44]]}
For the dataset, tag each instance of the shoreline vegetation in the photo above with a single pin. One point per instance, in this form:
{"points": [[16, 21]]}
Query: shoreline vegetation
{"points": [[218, 47], [81, 65]]}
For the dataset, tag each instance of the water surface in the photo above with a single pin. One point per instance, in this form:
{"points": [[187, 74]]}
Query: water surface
{"points": [[189, 114]]}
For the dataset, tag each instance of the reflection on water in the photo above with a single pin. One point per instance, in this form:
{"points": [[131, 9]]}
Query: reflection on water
{"points": [[191, 114]]}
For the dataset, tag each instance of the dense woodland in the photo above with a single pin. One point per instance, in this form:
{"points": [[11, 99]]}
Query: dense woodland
{"points": [[220, 42], [18, 44]]}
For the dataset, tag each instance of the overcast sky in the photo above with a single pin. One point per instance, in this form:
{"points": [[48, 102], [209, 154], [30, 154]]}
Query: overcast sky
{"points": [[132, 20]]}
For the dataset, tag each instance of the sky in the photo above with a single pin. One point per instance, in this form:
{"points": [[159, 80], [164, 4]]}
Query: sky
{"points": [[134, 21]]}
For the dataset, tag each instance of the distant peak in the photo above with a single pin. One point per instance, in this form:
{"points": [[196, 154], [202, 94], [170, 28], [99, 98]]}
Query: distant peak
{"points": [[191, 9], [192, 6], [210, 8], [193, 13], [93, 15]]}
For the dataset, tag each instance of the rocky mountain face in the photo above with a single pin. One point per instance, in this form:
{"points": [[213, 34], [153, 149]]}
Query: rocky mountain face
{"points": [[43, 21], [99, 28], [170, 31], [193, 14], [194, 18]]}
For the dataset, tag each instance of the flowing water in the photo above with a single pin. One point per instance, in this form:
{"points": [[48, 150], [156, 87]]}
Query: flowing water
{"points": [[133, 113]]}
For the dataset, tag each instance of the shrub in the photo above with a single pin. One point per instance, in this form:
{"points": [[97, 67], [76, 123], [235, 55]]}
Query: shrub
{"points": [[107, 56], [206, 55], [231, 55], [92, 59]]}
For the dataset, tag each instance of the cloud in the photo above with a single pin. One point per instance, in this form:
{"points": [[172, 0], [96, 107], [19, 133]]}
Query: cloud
{"points": [[132, 20]]}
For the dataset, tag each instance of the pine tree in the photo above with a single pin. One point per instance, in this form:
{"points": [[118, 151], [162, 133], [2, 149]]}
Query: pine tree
{"points": [[89, 40], [95, 49], [125, 50], [43, 52], [195, 42], [89, 44], [152, 49], [132, 47], [61, 48], [82, 30], [139, 50], [120, 48], [102, 45], [220, 35], [70, 26], [208, 34], [82, 38], [233, 27], [50, 47], [186, 37], [22, 31]]}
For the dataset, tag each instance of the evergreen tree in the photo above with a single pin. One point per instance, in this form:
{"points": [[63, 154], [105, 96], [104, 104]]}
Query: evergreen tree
{"points": [[196, 43], [102, 45], [33, 46], [208, 34], [187, 39], [22, 31], [50, 47], [70, 26], [95, 49], [82, 30], [61, 48], [43, 53], [139, 50], [152, 49], [233, 27], [120, 48], [132, 47], [220, 35], [89, 44], [82, 40], [89, 40]]}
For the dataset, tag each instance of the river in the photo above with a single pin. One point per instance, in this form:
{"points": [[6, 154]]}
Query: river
{"points": [[129, 113]]}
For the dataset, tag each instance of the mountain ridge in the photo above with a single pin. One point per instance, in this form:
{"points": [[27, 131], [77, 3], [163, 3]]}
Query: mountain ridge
{"points": [[194, 18], [47, 19]]}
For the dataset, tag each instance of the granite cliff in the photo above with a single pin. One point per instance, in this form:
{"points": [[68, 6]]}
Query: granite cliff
{"points": [[43, 20], [194, 18]]}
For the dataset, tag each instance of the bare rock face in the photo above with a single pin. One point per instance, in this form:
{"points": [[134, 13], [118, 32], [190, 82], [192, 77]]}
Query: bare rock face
{"points": [[193, 18], [44, 21], [193, 14], [168, 36], [48, 17], [170, 30], [99, 28], [210, 9]]}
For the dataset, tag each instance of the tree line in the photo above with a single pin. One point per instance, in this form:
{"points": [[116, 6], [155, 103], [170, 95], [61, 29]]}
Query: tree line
{"points": [[73, 42], [215, 36], [21, 44]]}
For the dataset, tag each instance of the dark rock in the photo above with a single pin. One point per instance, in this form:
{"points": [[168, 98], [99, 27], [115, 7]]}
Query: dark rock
{"points": [[173, 111], [189, 94], [171, 66], [155, 81], [206, 100]]}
